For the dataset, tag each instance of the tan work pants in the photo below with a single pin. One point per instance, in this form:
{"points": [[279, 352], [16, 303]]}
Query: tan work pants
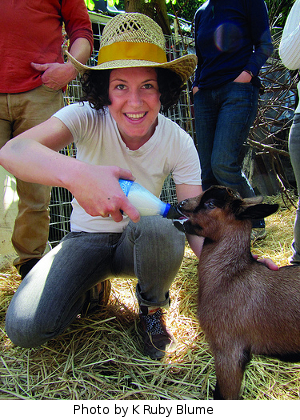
{"points": [[18, 113]]}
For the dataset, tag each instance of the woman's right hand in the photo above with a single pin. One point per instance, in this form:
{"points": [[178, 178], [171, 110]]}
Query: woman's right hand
{"points": [[98, 192]]}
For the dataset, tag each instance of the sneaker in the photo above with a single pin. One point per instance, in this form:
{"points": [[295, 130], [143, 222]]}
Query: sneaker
{"points": [[258, 234], [96, 299], [154, 333]]}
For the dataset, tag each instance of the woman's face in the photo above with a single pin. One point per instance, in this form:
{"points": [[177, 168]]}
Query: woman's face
{"points": [[135, 103]]}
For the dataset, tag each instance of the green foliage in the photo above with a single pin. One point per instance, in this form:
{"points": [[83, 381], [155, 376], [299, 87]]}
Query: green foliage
{"points": [[90, 4], [279, 10], [186, 9]]}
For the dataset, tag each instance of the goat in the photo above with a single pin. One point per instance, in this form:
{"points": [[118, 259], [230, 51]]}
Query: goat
{"points": [[244, 308]]}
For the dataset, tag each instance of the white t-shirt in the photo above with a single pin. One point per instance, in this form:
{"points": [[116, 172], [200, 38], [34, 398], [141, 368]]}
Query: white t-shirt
{"points": [[289, 48], [98, 142]]}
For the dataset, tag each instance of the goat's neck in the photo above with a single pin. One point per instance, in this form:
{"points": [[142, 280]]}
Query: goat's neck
{"points": [[227, 255]]}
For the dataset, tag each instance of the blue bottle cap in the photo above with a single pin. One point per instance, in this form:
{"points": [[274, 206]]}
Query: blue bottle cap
{"points": [[168, 206]]}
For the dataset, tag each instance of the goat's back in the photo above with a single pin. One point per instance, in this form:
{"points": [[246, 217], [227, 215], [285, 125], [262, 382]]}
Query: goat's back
{"points": [[258, 304]]}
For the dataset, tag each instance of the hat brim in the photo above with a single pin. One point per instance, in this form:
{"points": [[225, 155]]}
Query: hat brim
{"points": [[184, 66]]}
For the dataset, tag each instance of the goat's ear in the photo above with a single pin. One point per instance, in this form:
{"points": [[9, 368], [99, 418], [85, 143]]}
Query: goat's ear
{"points": [[257, 211]]}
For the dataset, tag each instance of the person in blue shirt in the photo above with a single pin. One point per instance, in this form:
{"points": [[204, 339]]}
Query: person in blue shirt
{"points": [[233, 41]]}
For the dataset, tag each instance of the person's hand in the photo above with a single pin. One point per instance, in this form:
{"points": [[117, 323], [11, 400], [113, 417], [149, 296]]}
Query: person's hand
{"points": [[267, 262], [56, 75], [195, 89], [98, 192], [244, 77]]}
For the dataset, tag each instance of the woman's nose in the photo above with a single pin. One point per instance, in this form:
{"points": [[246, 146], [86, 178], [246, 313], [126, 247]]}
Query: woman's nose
{"points": [[135, 98]]}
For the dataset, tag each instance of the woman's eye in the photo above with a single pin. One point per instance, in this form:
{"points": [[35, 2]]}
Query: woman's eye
{"points": [[120, 87], [148, 86]]}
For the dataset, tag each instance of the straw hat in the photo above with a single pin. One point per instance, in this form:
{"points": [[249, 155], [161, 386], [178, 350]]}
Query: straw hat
{"points": [[135, 40]]}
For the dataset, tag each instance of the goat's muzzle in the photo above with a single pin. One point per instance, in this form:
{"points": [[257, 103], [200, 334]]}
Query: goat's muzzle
{"points": [[182, 221]]}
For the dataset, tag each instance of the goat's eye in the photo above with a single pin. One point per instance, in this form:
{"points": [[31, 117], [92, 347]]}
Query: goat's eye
{"points": [[209, 205]]}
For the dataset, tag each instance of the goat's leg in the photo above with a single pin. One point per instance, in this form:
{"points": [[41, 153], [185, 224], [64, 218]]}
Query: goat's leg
{"points": [[230, 369]]}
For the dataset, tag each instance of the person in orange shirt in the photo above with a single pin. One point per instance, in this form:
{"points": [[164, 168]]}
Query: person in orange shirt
{"points": [[32, 78]]}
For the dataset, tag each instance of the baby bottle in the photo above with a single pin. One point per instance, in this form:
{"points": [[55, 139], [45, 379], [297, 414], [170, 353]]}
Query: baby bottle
{"points": [[146, 202]]}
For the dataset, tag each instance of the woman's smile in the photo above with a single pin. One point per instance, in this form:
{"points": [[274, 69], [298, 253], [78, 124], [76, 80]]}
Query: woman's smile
{"points": [[135, 116]]}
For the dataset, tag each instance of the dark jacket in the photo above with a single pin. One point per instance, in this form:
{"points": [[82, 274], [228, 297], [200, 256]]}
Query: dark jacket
{"points": [[230, 36]]}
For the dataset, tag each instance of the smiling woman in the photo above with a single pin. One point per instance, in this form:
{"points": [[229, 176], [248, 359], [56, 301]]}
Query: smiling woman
{"points": [[118, 133]]}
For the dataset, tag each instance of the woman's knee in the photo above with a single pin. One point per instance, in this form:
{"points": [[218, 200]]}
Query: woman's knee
{"points": [[160, 231], [28, 322], [22, 330]]}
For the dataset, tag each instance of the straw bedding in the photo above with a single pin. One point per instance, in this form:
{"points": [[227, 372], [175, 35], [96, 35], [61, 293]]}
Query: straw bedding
{"points": [[100, 357]]}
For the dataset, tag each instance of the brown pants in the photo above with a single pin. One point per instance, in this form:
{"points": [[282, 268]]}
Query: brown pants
{"points": [[18, 113]]}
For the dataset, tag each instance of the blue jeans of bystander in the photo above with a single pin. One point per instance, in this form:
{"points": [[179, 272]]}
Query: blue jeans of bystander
{"points": [[294, 149], [223, 117]]}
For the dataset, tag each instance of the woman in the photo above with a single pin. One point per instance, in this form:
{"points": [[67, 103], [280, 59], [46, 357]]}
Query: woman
{"points": [[289, 50], [232, 41], [119, 133]]}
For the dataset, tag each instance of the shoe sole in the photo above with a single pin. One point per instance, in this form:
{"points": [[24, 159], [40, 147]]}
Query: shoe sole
{"points": [[258, 238]]}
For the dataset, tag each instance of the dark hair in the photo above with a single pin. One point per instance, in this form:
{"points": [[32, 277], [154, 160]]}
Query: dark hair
{"points": [[95, 86]]}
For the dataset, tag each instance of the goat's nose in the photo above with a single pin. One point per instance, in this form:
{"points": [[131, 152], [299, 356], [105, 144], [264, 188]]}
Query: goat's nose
{"points": [[173, 213]]}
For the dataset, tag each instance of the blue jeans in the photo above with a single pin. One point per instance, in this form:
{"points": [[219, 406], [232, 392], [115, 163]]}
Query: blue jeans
{"points": [[294, 149], [223, 117], [54, 291]]}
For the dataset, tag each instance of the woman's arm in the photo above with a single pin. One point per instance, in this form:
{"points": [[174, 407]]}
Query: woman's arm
{"points": [[197, 71], [33, 157], [257, 15]]}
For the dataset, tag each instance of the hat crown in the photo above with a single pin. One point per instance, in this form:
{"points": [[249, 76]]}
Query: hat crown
{"points": [[135, 40], [132, 27]]}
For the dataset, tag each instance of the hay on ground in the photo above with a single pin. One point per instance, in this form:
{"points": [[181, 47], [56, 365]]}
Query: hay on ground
{"points": [[100, 357]]}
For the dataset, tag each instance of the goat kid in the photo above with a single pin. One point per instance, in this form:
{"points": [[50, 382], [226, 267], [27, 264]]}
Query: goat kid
{"points": [[244, 308]]}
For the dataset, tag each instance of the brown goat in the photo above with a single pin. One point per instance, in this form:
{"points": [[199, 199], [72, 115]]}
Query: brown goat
{"points": [[244, 308]]}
